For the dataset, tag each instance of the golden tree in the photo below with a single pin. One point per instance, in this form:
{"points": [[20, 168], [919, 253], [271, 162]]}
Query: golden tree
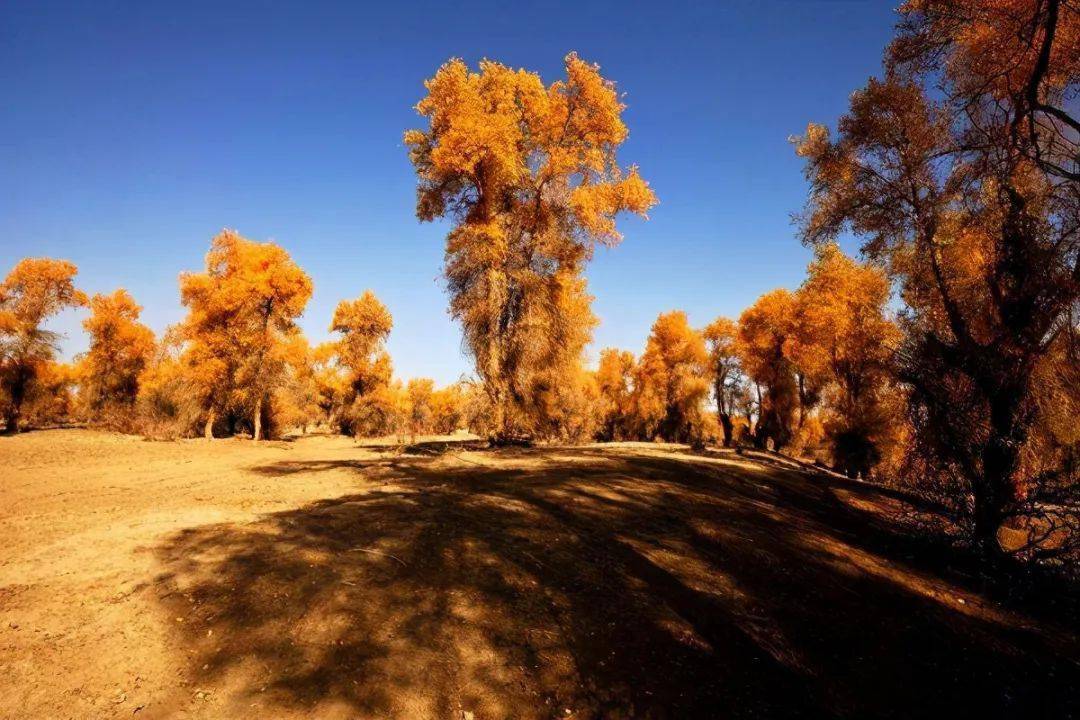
{"points": [[563, 404], [121, 347], [729, 389], [369, 406], [448, 408], [34, 291], [331, 383], [169, 404], [421, 393], [842, 325], [615, 386], [51, 399], [960, 169], [670, 384], [296, 399], [529, 177], [242, 310], [766, 331]]}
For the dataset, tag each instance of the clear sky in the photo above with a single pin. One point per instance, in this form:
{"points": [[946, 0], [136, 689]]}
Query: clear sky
{"points": [[130, 133]]}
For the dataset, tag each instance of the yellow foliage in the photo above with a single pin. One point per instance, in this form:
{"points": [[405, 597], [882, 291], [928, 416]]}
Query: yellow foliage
{"points": [[364, 325], [241, 312], [670, 383], [51, 399], [529, 175], [369, 406], [34, 290], [841, 330], [120, 349], [615, 386], [765, 330], [448, 409], [995, 43], [729, 387]]}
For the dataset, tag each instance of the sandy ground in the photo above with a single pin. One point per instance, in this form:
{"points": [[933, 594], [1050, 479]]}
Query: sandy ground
{"points": [[318, 579]]}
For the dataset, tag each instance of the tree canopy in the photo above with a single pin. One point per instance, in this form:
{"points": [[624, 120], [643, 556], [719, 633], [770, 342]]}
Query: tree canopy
{"points": [[528, 175]]}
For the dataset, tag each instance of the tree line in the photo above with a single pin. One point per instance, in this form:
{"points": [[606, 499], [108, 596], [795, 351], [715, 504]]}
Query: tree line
{"points": [[791, 367], [237, 363], [946, 357]]}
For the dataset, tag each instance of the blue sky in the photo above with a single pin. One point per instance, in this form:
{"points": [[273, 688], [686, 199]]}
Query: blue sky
{"points": [[132, 132]]}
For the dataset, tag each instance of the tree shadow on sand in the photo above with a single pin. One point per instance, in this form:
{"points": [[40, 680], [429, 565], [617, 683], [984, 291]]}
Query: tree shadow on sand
{"points": [[597, 583]]}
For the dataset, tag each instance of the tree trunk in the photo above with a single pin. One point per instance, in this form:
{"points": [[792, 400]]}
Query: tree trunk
{"points": [[17, 393], [802, 400], [995, 492], [500, 419], [723, 417], [12, 422], [757, 433], [728, 427], [257, 420], [988, 517], [208, 429], [760, 434], [766, 428]]}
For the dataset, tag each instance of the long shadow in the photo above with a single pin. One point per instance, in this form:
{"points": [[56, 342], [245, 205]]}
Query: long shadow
{"points": [[586, 583]]}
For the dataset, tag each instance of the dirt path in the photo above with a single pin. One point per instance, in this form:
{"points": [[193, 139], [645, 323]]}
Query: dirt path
{"points": [[319, 579], [80, 516]]}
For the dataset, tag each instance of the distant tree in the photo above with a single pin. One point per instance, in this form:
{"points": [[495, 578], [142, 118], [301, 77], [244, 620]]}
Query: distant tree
{"points": [[670, 384], [421, 392], [169, 404], [529, 177], [615, 385], [840, 311], [296, 398], [566, 405], [369, 406], [384, 411], [960, 170], [721, 340], [34, 290], [331, 383], [809, 365], [121, 347], [241, 312], [51, 399], [448, 408], [766, 331]]}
